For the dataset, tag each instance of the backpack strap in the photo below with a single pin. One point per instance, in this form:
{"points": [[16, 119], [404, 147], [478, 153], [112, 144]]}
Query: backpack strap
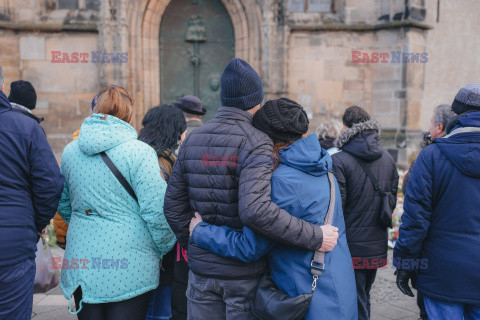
{"points": [[370, 176], [118, 175]]}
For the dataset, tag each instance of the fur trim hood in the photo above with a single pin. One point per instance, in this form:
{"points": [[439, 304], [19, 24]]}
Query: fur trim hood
{"points": [[350, 133]]}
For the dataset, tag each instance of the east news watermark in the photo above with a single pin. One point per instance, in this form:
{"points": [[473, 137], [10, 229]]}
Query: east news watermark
{"points": [[94, 263], [89, 57], [389, 57]]}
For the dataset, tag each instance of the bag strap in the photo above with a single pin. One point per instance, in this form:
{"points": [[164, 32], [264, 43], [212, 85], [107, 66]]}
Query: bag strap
{"points": [[118, 175], [318, 262], [164, 173], [370, 175]]}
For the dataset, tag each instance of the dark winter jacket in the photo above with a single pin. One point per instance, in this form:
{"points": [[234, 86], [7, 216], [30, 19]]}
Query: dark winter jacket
{"points": [[223, 171], [440, 231], [367, 238], [26, 111], [30, 184]]}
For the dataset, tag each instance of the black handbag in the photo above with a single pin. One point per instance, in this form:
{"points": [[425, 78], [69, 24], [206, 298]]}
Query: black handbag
{"points": [[386, 212], [271, 303]]}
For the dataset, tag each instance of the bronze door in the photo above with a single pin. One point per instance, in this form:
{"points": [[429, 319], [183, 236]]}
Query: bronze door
{"points": [[196, 42]]}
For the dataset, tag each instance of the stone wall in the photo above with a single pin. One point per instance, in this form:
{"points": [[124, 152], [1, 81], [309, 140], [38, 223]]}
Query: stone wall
{"points": [[64, 90]]}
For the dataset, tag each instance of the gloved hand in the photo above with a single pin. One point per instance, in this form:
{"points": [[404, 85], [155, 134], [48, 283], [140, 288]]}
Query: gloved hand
{"points": [[402, 281]]}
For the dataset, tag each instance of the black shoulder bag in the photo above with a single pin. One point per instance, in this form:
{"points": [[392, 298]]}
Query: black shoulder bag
{"points": [[386, 212], [271, 303], [118, 175]]}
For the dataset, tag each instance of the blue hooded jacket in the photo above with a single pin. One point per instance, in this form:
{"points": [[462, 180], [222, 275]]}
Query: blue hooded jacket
{"points": [[114, 243], [300, 186], [440, 231], [30, 184]]}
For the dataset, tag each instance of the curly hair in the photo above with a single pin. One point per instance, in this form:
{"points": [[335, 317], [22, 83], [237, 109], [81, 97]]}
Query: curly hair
{"points": [[162, 128], [329, 129]]}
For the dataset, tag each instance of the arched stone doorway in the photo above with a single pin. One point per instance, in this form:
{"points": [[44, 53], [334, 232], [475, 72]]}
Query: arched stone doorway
{"points": [[196, 42], [145, 19]]}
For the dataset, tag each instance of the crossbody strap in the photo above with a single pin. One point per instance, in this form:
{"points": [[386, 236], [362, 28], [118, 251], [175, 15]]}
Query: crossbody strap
{"points": [[318, 261], [118, 175], [370, 175]]}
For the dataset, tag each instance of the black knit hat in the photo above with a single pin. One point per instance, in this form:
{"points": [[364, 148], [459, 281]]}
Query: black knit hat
{"points": [[467, 99], [283, 120], [240, 86], [23, 93]]}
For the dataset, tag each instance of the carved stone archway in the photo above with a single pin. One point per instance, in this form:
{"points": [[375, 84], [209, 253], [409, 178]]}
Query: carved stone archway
{"points": [[144, 19]]}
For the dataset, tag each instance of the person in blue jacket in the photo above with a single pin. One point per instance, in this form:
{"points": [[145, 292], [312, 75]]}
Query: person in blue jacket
{"points": [[439, 239], [30, 187], [114, 241], [300, 186]]}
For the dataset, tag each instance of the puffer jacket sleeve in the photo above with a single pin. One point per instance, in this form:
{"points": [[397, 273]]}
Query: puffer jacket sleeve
{"points": [[339, 173], [45, 177], [259, 213], [150, 190], [418, 209], [177, 205], [246, 246]]}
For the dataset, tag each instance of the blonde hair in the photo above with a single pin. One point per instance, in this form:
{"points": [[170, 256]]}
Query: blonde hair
{"points": [[329, 129], [115, 101]]}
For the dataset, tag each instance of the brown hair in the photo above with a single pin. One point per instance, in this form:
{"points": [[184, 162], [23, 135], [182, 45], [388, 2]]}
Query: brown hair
{"points": [[115, 101], [276, 152]]}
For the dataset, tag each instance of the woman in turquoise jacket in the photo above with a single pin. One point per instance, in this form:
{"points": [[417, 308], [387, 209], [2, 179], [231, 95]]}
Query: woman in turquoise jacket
{"points": [[114, 242], [300, 186]]}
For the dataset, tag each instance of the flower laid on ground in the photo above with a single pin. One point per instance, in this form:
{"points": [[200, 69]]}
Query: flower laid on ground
{"points": [[397, 213]]}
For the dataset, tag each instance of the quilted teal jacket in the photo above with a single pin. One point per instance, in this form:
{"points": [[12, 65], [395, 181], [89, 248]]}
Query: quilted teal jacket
{"points": [[114, 243]]}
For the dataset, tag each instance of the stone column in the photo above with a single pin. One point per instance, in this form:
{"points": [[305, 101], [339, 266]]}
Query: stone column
{"points": [[113, 38], [274, 48]]}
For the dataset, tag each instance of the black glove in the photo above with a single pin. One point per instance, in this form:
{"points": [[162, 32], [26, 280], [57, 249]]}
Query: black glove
{"points": [[402, 281]]}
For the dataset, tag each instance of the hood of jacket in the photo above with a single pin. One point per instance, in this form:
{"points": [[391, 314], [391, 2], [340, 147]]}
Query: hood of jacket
{"points": [[101, 133], [308, 156], [462, 145], [4, 103], [362, 140]]}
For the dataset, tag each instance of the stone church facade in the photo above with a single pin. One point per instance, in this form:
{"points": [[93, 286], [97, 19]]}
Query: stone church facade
{"points": [[397, 58]]}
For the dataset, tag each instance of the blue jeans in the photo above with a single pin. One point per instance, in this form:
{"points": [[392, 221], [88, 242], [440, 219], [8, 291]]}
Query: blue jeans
{"points": [[443, 310], [217, 299], [16, 290], [160, 304]]}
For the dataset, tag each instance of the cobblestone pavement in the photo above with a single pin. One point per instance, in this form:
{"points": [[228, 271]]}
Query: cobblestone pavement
{"points": [[388, 303]]}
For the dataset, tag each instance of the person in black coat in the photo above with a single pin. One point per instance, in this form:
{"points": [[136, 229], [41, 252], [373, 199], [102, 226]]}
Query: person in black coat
{"points": [[223, 172], [362, 204]]}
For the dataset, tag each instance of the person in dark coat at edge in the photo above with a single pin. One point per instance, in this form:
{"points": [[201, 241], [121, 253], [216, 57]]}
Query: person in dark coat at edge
{"points": [[23, 99], [437, 247], [193, 110], [441, 117], [223, 172], [362, 205], [164, 129], [30, 187]]}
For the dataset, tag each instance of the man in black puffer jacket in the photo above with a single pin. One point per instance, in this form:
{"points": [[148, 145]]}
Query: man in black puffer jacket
{"points": [[367, 237], [223, 172]]}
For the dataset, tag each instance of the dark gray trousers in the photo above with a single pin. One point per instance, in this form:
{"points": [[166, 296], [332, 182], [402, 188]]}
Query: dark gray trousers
{"points": [[216, 299]]}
